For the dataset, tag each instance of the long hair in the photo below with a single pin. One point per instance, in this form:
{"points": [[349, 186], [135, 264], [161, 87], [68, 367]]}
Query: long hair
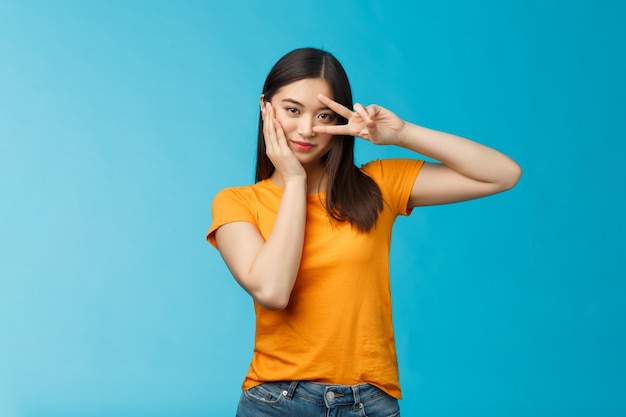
{"points": [[350, 194]]}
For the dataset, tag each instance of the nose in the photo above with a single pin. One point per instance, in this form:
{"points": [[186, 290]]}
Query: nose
{"points": [[305, 127]]}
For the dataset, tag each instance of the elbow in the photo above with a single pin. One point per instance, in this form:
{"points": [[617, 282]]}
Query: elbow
{"points": [[273, 304], [511, 177], [272, 300], [269, 289]]}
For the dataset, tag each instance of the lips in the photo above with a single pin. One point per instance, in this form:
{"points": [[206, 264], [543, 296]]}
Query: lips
{"points": [[302, 146]]}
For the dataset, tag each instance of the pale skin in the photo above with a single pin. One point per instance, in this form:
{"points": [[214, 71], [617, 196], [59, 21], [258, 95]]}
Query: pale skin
{"points": [[299, 125]]}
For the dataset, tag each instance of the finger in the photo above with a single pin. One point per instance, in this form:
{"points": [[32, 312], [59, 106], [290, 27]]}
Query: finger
{"points": [[269, 130], [267, 106], [272, 110], [277, 128], [373, 110], [336, 107], [362, 112], [333, 130], [264, 116], [370, 123], [281, 139], [372, 132]]}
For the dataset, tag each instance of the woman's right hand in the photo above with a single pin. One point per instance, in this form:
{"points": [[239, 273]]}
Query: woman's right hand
{"points": [[267, 269], [277, 148]]}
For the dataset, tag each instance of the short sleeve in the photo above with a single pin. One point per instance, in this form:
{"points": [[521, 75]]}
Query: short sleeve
{"points": [[230, 205], [395, 178]]}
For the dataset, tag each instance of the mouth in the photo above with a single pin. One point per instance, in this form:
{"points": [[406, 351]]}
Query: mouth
{"points": [[302, 146]]}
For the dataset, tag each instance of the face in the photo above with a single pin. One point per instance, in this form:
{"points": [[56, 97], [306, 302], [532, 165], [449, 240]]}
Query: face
{"points": [[298, 110]]}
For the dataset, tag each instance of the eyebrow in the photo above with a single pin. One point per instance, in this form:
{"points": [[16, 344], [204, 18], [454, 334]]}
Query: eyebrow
{"points": [[297, 103]]}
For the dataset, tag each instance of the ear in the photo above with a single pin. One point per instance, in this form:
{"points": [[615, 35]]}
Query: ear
{"points": [[262, 101]]}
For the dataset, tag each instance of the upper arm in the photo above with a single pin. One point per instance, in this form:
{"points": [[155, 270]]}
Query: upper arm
{"points": [[437, 184], [239, 243]]}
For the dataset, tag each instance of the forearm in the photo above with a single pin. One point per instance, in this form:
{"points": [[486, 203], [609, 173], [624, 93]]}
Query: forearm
{"points": [[274, 270], [464, 156]]}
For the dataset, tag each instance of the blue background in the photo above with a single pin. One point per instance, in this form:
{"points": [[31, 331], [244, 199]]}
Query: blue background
{"points": [[120, 120]]}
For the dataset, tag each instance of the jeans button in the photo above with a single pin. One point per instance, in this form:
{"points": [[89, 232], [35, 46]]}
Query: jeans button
{"points": [[330, 395]]}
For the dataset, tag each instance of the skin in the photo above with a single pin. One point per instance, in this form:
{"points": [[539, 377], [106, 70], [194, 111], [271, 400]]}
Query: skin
{"points": [[292, 118], [299, 125], [468, 170]]}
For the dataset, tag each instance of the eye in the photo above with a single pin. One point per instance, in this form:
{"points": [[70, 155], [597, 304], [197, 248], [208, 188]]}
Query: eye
{"points": [[327, 117], [292, 110]]}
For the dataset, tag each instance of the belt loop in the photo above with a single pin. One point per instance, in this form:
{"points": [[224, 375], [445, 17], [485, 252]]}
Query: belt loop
{"points": [[292, 389], [357, 398]]}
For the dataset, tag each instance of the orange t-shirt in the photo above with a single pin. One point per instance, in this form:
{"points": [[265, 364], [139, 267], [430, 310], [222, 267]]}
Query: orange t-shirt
{"points": [[337, 328]]}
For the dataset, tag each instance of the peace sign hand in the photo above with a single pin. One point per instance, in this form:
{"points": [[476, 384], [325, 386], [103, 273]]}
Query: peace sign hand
{"points": [[373, 123]]}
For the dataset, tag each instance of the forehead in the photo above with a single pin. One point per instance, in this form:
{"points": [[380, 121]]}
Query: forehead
{"points": [[305, 90]]}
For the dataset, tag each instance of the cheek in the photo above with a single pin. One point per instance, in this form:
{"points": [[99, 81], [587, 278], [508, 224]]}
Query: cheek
{"points": [[326, 141]]}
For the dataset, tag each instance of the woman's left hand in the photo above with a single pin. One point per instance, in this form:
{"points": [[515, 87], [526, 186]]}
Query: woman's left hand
{"points": [[373, 123]]}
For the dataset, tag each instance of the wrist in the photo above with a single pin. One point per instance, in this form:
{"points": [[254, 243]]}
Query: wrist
{"points": [[297, 181], [294, 181], [406, 134]]}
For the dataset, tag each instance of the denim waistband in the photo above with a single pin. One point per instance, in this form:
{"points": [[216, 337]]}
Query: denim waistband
{"points": [[332, 395]]}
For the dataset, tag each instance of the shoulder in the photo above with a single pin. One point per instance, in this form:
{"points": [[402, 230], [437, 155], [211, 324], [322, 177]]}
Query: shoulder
{"points": [[241, 194], [395, 179], [232, 193], [382, 170], [237, 204]]}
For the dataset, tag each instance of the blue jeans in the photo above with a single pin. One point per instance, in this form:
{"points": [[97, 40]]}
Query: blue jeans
{"points": [[310, 399]]}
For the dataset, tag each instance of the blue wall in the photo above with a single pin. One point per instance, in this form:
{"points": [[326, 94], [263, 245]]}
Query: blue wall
{"points": [[120, 120]]}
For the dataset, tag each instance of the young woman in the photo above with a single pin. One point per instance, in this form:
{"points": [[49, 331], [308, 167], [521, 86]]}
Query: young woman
{"points": [[310, 240]]}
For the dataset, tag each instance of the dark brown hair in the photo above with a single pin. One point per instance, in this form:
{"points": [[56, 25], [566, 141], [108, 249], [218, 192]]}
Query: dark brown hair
{"points": [[350, 194]]}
